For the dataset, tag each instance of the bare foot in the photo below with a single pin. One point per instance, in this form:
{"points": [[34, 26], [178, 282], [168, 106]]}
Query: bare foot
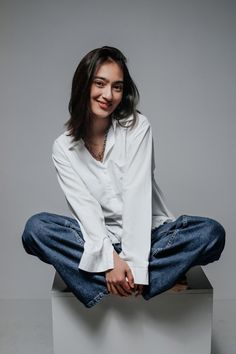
{"points": [[180, 285]]}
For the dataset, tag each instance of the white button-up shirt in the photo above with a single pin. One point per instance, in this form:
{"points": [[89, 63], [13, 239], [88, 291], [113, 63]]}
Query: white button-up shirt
{"points": [[114, 200]]}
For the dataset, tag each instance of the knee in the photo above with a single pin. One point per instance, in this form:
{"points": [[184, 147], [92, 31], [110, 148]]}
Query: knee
{"points": [[32, 226], [215, 234]]}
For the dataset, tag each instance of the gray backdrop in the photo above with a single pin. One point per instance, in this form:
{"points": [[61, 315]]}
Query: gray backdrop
{"points": [[182, 57]]}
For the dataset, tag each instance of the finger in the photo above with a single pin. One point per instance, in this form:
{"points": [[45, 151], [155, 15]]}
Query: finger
{"points": [[130, 278], [108, 287], [139, 290], [121, 290], [113, 290], [118, 289], [136, 292], [126, 287]]}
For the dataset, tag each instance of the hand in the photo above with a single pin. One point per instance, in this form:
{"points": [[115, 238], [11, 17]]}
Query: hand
{"points": [[138, 288], [120, 280]]}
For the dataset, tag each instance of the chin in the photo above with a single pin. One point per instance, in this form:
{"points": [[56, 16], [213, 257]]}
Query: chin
{"points": [[101, 114]]}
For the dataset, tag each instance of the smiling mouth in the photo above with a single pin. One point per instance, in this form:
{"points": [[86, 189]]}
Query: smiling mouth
{"points": [[104, 105]]}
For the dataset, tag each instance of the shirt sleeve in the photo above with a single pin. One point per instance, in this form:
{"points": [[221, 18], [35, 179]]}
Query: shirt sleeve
{"points": [[98, 248], [137, 201]]}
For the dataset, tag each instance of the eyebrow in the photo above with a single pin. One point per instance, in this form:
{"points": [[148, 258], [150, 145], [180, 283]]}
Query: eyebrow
{"points": [[103, 78]]}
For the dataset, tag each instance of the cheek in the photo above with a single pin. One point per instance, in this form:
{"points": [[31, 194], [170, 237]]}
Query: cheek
{"points": [[94, 92]]}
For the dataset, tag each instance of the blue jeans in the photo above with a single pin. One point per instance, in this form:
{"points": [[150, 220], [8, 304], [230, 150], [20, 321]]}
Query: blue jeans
{"points": [[176, 246]]}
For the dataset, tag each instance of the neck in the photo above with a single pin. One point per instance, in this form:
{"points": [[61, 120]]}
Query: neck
{"points": [[99, 126]]}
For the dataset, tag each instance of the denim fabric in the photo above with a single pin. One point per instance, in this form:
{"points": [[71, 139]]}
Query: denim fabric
{"points": [[176, 246]]}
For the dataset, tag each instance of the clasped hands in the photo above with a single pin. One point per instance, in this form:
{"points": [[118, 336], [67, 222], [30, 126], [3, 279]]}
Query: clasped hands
{"points": [[120, 280]]}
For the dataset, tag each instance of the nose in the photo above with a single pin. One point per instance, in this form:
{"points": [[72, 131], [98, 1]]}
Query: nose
{"points": [[107, 93]]}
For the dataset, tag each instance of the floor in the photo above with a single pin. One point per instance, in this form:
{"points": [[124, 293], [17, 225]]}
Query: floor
{"points": [[26, 326]]}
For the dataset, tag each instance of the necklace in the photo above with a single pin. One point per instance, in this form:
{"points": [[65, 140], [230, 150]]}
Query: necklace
{"points": [[98, 156]]}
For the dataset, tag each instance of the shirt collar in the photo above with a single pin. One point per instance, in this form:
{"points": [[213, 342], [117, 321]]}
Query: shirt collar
{"points": [[80, 142]]}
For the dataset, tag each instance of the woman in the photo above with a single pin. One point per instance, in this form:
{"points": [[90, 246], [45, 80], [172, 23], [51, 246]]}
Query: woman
{"points": [[122, 239]]}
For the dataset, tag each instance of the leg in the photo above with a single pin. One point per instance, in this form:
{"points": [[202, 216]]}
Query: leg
{"points": [[58, 240], [179, 245]]}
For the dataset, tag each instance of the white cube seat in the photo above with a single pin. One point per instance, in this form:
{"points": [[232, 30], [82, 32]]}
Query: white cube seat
{"points": [[169, 323]]}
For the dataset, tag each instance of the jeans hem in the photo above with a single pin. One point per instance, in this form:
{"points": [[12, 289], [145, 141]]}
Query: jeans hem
{"points": [[96, 300]]}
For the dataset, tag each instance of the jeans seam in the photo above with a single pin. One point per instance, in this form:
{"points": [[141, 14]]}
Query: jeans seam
{"points": [[96, 299], [164, 231], [170, 241], [76, 233], [78, 238]]}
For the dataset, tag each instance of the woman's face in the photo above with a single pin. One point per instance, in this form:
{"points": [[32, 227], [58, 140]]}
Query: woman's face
{"points": [[106, 89]]}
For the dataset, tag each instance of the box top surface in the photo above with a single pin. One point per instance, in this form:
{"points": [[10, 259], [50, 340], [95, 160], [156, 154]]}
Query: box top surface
{"points": [[196, 278]]}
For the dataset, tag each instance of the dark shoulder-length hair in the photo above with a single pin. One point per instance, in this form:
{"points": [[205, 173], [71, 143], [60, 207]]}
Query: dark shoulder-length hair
{"points": [[78, 123]]}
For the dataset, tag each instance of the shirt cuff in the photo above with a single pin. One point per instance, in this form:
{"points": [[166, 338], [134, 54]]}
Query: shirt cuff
{"points": [[99, 261], [140, 274]]}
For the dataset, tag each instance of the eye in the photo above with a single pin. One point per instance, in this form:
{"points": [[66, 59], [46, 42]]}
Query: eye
{"points": [[118, 88], [99, 83]]}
